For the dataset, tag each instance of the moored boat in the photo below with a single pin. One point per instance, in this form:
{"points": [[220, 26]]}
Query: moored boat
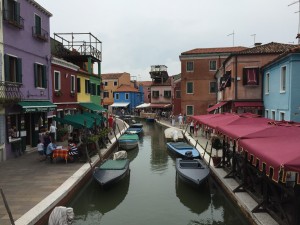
{"points": [[173, 134], [136, 128], [193, 171], [111, 171], [128, 141], [183, 149]]}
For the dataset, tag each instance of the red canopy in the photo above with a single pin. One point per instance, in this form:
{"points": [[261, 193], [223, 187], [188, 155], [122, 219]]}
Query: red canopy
{"points": [[216, 106], [214, 120]]}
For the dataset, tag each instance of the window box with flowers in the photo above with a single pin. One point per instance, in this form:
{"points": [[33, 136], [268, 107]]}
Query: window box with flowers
{"points": [[58, 93]]}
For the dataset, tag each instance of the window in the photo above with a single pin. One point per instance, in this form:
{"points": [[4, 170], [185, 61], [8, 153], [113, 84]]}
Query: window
{"points": [[40, 79], [282, 116], [13, 69], [178, 94], [117, 95], [72, 83], [98, 90], [212, 87], [189, 66], [78, 85], [155, 94], [37, 24], [105, 83], [115, 83], [57, 84], [126, 96], [283, 79], [189, 110], [11, 13], [250, 76], [87, 86], [267, 83], [105, 94], [273, 115], [92, 88], [167, 94], [213, 65], [266, 113], [189, 87]]}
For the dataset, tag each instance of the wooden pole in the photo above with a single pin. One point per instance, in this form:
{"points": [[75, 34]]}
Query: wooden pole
{"points": [[7, 208]]}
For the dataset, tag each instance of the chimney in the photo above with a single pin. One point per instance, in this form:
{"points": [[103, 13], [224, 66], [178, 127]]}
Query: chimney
{"points": [[257, 44]]}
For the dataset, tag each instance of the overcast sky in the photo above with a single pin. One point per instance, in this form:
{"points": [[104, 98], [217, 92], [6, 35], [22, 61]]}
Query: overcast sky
{"points": [[136, 34]]}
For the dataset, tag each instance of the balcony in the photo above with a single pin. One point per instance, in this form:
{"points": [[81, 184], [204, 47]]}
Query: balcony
{"points": [[40, 33], [10, 92], [13, 19]]}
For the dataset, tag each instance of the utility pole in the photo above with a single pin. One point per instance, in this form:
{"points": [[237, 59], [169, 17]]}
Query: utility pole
{"points": [[298, 34], [233, 37]]}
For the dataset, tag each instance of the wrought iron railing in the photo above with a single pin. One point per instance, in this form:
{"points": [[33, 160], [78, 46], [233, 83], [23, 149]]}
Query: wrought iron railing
{"points": [[40, 33], [13, 19], [10, 92]]}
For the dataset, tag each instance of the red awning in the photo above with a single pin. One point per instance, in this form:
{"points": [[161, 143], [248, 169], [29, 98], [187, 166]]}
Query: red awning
{"points": [[214, 120], [249, 104], [216, 106]]}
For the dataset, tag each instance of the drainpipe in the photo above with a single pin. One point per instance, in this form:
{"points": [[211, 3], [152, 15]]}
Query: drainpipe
{"points": [[235, 80]]}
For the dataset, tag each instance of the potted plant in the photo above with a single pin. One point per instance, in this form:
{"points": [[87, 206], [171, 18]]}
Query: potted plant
{"points": [[217, 145], [62, 134]]}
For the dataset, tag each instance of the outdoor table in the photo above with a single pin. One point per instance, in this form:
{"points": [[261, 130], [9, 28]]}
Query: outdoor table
{"points": [[61, 153]]}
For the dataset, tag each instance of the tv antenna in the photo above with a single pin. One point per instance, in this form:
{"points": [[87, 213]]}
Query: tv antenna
{"points": [[253, 37], [233, 37], [298, 35]]}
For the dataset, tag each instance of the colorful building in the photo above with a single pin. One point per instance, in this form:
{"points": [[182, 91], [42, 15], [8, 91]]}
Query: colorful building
{"points": [[27, 81]]}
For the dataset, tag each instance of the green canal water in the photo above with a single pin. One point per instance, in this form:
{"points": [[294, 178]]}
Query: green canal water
{"points": [[152, 194]]}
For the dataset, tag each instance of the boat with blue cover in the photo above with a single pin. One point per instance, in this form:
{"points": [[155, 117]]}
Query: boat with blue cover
{"points": [[128, 141], [183, 149], [136, 128], [111, 171]]}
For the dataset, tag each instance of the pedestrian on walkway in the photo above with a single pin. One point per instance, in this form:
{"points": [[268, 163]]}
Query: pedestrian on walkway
{"points": [[180, 121], [184, 119], [173, 120], [196, 128], [110, 123], [192, 127], [40, 148], [47, 140], [52, 131]]}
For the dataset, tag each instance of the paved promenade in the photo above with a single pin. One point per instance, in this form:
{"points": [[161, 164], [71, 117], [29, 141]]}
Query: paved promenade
{"points": [[33, 188]]}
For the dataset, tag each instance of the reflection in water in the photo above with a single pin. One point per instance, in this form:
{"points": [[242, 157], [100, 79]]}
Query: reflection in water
{"points": [[153, 196], [95, 201]]}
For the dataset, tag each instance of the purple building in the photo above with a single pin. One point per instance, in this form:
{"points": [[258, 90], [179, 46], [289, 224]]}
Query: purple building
{"points": [[27, 82]]}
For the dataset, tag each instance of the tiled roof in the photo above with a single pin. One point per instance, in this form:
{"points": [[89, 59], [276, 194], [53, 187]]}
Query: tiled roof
{"points": [[107, 76], [145, 83], [126, 88], [296, 49], [270, 48], [214, 50]]}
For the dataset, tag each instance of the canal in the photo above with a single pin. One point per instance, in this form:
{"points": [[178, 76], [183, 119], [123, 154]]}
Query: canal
{"points": [[152, 194]]}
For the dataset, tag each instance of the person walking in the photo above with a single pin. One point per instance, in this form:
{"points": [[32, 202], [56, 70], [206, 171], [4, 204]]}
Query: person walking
{"points": [[180, 121], [52, 131], [40, 148], [192, 127], [173, 120], [110, 123], [196, 129]]}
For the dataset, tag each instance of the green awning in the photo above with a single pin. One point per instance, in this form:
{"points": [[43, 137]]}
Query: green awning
{"points": [[92, 106], [37, 106], [76, 120], [96, 116]]}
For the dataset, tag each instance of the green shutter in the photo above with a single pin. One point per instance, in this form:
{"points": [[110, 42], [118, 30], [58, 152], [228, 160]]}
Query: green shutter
{"points": [[6, 67], [44, 76], [19, 71], [38, 25], [35, 75], [5, 8], [17, 12]]}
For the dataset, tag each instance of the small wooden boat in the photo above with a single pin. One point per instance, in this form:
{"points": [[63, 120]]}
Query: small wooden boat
{"points": [[136, 128], [111, 171], [150, 120], [173, 134], [183, 149], [193, 171], [128, 141]]}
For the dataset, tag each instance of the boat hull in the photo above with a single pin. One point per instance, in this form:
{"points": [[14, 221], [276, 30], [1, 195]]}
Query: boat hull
{"points": [[192, 171], [173, 134], [183, 150], [128, 141], [109, 176]]}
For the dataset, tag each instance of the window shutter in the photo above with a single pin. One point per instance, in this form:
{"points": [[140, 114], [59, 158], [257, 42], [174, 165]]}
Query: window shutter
{"points": [[257, 75], [5, 8], [44, 76], [6, 67], [78, 85], [35, 75], [19, 70], [245, 76], [17, 12]]}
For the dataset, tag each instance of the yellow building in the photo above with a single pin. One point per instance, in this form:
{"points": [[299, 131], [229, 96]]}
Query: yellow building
{"points": [[83, 83]]}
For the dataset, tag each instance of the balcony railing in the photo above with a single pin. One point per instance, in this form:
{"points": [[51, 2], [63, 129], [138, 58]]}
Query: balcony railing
{"points": [[10, 92], [40, 33], [13, 19]]}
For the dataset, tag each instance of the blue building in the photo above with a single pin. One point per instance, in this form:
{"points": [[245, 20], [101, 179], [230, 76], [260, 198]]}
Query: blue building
{"points": [[127, 98], [281, 89]]}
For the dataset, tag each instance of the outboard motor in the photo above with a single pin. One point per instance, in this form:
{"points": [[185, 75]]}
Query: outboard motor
{"points": [[189, 155]]}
